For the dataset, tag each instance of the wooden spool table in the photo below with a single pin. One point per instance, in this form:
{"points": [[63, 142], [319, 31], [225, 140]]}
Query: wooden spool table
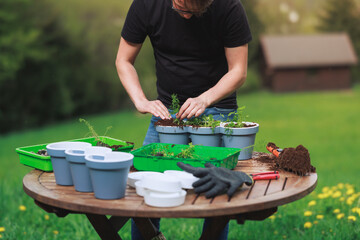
{"points": [[250, 203]]}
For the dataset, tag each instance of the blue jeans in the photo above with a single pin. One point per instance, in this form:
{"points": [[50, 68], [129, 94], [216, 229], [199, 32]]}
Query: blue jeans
{"points": [[152, 136]]}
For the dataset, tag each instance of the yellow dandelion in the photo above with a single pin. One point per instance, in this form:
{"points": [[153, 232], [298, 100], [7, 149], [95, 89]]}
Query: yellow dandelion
{"points": [[272, 217], [350, 191], [336, 211], [352, 218], [325, 189], [22, 208], [316, 222], [340, 216], [308, 225], [349, 186], [312, 203], [0, 236], [319, 216], [276, 232], [56, 232], [321, 196], [330, 230], [354, 209], [307, 213], [334, 188], [350, 201], [329, 193], [2, 229], [336, 194], [340, 185], [46, 217], [284, 236], [341, 199]]}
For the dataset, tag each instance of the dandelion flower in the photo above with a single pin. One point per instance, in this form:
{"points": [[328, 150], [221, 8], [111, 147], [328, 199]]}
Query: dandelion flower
{"points": [[336, 211], [22, 208], [284, 236], [46, 217], [0, 236], [350, 191], [336, 194], [316, 222], [307, 213], [352, 218], [56, 232], [312, 203], [342, 199], [340, 216], [276, 232], [272, 217], [325, 189], [2, 229], [340, 185], [349, 201], [319, 216], [308, 225]]}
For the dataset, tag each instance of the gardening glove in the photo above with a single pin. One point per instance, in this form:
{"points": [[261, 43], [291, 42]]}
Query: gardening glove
{"points": [[216, 180]]}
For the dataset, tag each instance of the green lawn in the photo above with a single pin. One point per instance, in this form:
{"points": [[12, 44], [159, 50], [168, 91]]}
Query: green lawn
{"points": [[327, 123]]}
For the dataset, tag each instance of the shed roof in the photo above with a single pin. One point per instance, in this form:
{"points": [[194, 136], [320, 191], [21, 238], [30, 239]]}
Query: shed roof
{"points": [[308, 50]]}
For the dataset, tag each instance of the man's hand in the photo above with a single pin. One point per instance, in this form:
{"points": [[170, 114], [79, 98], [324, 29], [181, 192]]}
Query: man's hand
{"points": [[156, 108], [216, 180], [192, 107]]}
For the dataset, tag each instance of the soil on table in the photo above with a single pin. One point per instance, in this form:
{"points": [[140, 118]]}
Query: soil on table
{"points": [[296, 160], [169, 122]]}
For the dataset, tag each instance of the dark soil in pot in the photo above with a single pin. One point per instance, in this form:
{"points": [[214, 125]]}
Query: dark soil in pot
{"points": [[169, 122]]}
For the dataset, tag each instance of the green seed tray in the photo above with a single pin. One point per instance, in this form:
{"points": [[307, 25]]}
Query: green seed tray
{"points": [[29, 157], [218, 156]]}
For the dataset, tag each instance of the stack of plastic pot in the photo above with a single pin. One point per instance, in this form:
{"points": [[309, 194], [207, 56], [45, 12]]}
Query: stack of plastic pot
{"points": [[90, 169]]}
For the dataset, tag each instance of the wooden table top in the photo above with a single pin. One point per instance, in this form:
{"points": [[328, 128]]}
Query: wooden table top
{"points": [[264, 194]]}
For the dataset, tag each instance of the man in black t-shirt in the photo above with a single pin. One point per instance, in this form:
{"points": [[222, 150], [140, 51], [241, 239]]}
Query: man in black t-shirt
{"points": [[200, 49]]}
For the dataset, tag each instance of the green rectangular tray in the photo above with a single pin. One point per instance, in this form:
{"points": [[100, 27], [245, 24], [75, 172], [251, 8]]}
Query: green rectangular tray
{"points": [[29, 157], [218, 156]]}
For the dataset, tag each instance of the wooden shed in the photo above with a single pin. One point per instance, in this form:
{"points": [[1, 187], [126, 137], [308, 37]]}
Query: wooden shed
{"points": [[310, 62]]}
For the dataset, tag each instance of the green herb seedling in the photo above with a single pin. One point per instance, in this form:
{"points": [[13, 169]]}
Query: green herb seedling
{"points": [[93, 133]]}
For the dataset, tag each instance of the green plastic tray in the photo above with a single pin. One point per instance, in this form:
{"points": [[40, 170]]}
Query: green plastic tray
{"points": [[29, 157], [218, 156]]}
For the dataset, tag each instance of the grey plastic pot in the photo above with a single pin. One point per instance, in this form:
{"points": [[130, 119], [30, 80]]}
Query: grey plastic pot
{"points": [[79, 172], [109, 174], [243, 138], [172, 134], [205, 136], [61, 167]]}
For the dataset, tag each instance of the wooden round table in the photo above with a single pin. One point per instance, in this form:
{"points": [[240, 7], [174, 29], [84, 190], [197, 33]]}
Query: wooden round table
{"points": [[250, 203]]}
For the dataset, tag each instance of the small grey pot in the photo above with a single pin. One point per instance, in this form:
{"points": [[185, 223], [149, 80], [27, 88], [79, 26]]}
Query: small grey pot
{"points": [[243, 138], [173, 134], [79, 172], [205, 136], [109, 173], [61, 167]]}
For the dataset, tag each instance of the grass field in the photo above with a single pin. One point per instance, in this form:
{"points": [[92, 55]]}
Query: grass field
{"points": [[327, 123]]}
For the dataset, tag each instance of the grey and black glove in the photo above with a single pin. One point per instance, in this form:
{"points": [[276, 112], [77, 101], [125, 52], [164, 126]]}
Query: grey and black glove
{"points": [[216, 180]]}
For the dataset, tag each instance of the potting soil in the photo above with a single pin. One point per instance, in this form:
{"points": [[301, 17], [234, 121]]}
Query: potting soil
{"points": [[296, 160], [169, 122]]}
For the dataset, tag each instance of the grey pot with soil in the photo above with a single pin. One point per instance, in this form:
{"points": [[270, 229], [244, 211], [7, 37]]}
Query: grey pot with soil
{"points": [[243, 138], [170, 132], [205, 136]]}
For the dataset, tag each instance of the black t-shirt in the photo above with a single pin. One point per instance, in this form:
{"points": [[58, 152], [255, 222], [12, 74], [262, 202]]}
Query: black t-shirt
{"points": [[189, 53]]}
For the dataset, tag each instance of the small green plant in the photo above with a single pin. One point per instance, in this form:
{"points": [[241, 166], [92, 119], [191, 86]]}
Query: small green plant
{"points": [[237, 121], [187, 152], [204, 121], [175, 107], [162, 151], [93, 133]]}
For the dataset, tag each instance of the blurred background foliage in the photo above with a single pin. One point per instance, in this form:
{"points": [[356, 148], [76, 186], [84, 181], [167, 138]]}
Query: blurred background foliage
{"points": [[57, 57]]}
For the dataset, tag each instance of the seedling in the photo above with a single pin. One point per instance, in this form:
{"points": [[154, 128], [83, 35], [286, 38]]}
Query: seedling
{"points": [[187, 152], [204, 121], [162, 151], [175, 107], [238, 120]]}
